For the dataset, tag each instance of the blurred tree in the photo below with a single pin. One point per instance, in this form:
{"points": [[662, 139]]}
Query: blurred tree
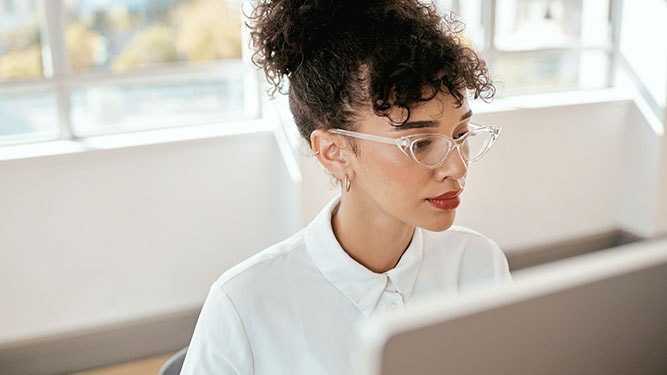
{"points": [[20, 38], [151, 46], [121, 19], [83, 45], [207, 30], [26, 63], [20, 54], [157, 9]]}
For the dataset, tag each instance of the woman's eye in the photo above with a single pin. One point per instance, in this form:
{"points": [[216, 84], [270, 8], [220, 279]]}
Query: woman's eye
{"points": [[461, 134], [422, 144]]}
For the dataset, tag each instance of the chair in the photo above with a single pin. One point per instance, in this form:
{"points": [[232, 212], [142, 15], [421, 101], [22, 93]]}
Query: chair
{"points": [[174, 363]]}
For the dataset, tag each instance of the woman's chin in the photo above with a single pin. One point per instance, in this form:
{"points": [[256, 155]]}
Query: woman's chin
{"points": [[440, 223]]}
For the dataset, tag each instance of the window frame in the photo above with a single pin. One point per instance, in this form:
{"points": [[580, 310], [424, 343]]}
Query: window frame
{"points": [[59, 79], [491, 52]]}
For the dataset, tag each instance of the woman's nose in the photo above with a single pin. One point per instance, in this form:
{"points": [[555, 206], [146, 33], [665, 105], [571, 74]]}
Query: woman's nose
{"points": [[454, 167]]}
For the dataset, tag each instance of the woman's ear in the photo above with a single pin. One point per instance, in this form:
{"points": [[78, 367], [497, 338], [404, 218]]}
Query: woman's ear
{"points": [[331, 152]]}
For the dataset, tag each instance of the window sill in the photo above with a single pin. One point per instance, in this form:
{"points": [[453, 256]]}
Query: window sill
{"points": [[554, 99], [136, 139]]}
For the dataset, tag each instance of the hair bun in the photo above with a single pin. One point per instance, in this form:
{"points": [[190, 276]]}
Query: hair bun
{"points": [[285, 32]]}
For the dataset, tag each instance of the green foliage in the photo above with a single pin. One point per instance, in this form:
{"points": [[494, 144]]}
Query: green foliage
{"points": [[25, 63], [82, 45], [188, 31], [23, 58], [207, 30], [152, 46]]}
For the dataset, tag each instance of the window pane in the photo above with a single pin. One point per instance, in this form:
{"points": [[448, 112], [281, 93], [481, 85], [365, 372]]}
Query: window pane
{"points": [[159, 63], [531, 24], [32, 116], [127, 107], [646, 52], [127, 35], [20, 40], [551, 70]]}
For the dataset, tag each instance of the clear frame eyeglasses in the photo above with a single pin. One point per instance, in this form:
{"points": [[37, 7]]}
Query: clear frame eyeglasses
{"points": [[431, 150]]}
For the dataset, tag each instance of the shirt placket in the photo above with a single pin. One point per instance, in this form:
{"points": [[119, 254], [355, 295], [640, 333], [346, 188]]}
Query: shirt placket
{"points": [[391, 299]]}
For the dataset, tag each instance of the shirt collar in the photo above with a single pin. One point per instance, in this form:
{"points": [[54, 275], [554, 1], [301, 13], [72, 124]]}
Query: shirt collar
{"points": [[404, 275], [361, 285]]}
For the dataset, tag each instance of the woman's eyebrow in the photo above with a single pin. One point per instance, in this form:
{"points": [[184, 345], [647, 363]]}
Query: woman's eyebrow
{"points": [[417, 125], [466, 115], [428, 124]]}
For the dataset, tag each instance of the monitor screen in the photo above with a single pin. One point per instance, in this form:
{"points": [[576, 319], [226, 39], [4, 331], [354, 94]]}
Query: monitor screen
{"points": [[601, 313]]}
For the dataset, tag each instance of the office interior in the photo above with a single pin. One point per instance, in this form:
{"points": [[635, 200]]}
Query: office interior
{"points": [[110, 239]]}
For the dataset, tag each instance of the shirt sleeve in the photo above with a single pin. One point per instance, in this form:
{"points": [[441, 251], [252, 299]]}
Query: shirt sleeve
{"points": [[219, 343], [482, 262], [501, 266]]}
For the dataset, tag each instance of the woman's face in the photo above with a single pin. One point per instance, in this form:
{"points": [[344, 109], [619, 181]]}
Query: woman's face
{"points": [[389, 186]]}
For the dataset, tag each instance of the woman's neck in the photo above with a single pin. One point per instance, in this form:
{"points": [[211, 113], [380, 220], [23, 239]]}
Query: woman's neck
{"points": [[375, 241]]}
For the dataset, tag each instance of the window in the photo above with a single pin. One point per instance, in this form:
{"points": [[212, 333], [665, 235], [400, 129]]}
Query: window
{"points": [[75, 68], [541, 45], [28, 108], [643, 51]]}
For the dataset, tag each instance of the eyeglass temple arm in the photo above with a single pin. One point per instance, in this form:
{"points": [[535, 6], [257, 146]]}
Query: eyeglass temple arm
{"points": [[369, 137]]}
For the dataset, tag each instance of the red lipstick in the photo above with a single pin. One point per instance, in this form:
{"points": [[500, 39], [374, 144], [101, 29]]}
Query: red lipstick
{"points": [[447, 201]]}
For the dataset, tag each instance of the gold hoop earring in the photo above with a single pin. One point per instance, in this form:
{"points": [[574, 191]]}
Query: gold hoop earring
{"points": [[347, 183]]}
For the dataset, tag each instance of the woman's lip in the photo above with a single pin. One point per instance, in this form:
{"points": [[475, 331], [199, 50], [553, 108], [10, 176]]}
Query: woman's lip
{"points": [[445, 204], [447, 195], [448, 201]]}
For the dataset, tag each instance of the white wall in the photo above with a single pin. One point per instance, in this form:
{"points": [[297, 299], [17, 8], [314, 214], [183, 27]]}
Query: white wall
{"points": [[556, 173], [661, 213], [113, 235], [642, 210]]}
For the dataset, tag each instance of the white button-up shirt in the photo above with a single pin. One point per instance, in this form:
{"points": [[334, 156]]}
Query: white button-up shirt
{"points": [[293, 308]]}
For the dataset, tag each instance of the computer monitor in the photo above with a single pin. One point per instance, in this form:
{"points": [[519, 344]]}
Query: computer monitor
{"points": [[601, 313]]}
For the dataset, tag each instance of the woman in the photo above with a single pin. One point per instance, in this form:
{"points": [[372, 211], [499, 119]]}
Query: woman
{"points": [[378, 89]]}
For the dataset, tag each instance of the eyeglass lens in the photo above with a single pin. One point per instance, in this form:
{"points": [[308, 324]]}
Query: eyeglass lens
{"points": [[431, 150]]}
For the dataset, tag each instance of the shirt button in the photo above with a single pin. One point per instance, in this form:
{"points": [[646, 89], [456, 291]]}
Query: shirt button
{"points": [[393, 306]]}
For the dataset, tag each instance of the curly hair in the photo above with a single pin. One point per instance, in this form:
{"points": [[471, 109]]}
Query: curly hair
{"points": [[341, 55]]}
